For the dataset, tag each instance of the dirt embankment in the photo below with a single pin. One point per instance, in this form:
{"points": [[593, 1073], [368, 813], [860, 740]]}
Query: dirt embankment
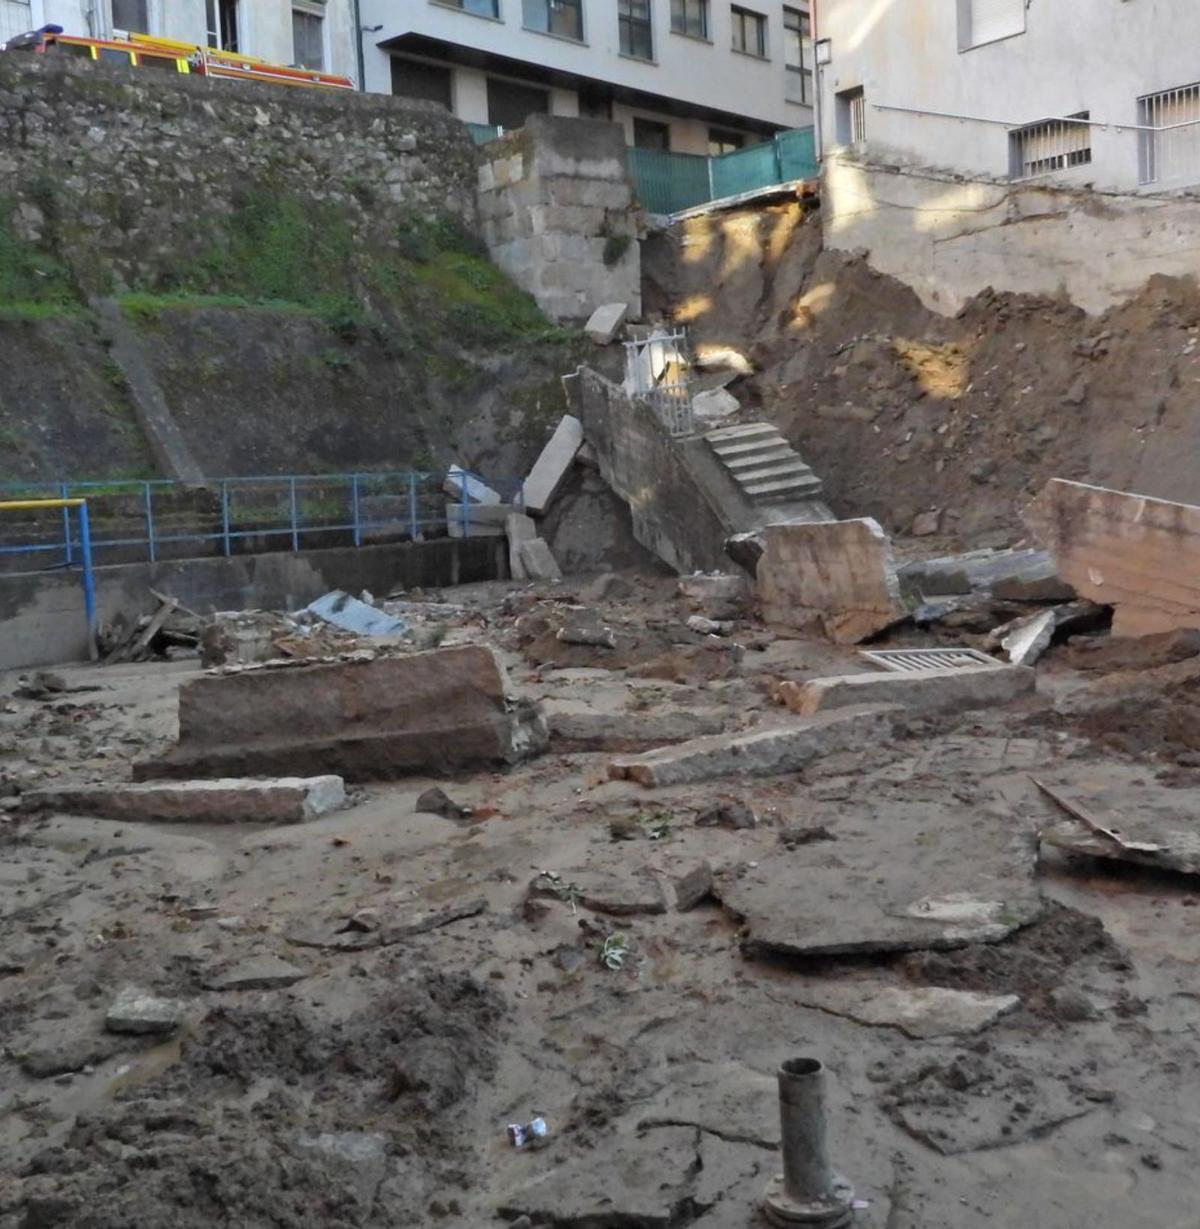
{"points": [[902, 411]]}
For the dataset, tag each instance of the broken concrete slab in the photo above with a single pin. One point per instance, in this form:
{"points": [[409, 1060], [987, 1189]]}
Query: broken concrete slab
{"points": [[835, 575], [551, 468], [135, 1011], [1029, 638], [461, 484], [921, 692], [256, 973], [476, 520], [518, 528], [1025, 575], [619, 893], [709, 627], [920, 1012], [381, 927], [435, 801], [757, 753], [605, 322], [714, 405], [1112, 653], [278, 800], [1139, 555], [538, 561], [575, 725], [693, 888], [376, 719]]}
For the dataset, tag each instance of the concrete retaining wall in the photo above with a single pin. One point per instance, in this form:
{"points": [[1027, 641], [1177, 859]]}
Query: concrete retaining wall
{"points": [[41, 614]]}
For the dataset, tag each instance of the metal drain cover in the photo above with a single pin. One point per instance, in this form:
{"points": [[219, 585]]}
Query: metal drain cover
{"points": [[910, 661]]}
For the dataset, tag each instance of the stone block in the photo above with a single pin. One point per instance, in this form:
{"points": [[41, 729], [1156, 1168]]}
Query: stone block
{"points": [[715, 405], [538, 561], [281, 800], [377, 719], [256, 973], [836, 575], [605, 323], [519, 528], [758, 753], [134, 1011], [459, 481], [1139, 555], [552, 466], [922, 693]]}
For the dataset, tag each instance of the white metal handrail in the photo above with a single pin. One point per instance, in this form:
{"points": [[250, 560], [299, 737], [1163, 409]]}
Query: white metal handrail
{"points": [[1057, 119]]}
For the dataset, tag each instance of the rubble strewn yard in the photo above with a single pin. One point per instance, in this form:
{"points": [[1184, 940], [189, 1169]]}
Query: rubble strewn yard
{"points": [[331, 1022]]}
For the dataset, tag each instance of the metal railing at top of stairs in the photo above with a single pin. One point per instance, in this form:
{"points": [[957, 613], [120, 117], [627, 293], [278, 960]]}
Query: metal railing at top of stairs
{"points": [[656, 369]]}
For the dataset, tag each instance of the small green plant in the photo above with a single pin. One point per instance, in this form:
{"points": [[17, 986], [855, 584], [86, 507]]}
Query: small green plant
{"points": [[614, 952], [552, 881], [656, 826]]}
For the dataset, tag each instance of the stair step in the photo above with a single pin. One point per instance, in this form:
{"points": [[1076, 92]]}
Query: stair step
{"points": [[749, 460], [779, 489], [795, 468], [740, 431], [752, 446]]}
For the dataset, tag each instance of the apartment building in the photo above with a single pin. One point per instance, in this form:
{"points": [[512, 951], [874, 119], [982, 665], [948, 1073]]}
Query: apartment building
{"points": [[1104, 93], [317, 34], [694, 76]]}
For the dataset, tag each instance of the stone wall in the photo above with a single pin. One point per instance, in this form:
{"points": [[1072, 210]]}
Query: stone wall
{"points": [[557, 213], [949, 238], [131, 175]]}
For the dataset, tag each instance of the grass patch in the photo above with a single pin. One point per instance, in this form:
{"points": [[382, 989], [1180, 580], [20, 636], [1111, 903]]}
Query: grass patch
{"points": [[33, 284], [148, 309]]}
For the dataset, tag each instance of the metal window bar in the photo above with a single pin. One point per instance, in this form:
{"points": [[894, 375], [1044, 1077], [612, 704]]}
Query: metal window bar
{"points": [[1169, 152], [1050, 145]]}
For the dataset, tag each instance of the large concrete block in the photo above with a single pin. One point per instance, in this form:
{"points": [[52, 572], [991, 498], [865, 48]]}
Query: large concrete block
{"points": [[282, 800], [605, 322], [366, 720], [759, 753], [1139, 555], [922, 692], [838, 575], [519, 528], [552, 466], [538, 561]]}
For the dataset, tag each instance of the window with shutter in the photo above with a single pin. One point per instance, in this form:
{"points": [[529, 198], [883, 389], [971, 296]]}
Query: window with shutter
{"points": [[985, 21]]}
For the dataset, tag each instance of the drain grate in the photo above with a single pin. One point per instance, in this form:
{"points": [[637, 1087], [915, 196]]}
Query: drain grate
{"points": [[909, 661]]}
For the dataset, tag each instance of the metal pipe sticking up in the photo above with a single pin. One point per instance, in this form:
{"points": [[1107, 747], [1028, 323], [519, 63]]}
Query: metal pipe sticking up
{"points": [[808, 1192]]}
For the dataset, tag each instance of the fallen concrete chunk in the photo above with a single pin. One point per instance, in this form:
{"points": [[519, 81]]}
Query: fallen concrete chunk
{"points": [[1112, 653], [1139, 555], [383, 928], [462, 484], [919, 1012], [551, 468], [351, 615], [693, 888], [621, 894], [135, 1011], [709, 627], [716, 595], [714, 405], [836, 575], [239, 638], [575, 725], [1030, 638], [759, 753], [280, 800], [538, 561], [921, 692], [476, 520], [1026, 575], [518, 528], [436, 801], [376, 719], [605, 322], [591, 636], [257, 973]]}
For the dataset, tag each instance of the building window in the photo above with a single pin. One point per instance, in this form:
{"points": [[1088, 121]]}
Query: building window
{"points": [[1172, 155], [650, 134], [986, 21], [131, 15], [798, 54], [561, 17], [481, 8], [223, 24], [749, 32], [722, 142], [633, 22], [851, 117], [416, 79], [511, 104], [308, 37], [690, 17], [1050, 145]]}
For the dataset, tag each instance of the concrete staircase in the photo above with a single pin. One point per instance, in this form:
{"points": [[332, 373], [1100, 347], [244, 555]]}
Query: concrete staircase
{"points": [[766, 468]]}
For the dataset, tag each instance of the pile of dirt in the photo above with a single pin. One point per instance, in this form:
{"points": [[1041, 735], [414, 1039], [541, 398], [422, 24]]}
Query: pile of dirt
{"points": [[903, 411]]}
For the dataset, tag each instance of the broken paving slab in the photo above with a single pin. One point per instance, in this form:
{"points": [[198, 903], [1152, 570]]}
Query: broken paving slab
{"points": [[256, 973], [619, 893], [919, 1012], [278, 800], [553, 465], [928, 876], [575, 725], [758, 753], [1023, 575], [366, 720], [1137, 554], [381, 927], [921, 692], [725, 1099], [837, 575]]}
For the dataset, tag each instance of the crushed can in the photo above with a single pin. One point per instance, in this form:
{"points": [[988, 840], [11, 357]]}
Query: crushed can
{"points": [[527, 1134]]}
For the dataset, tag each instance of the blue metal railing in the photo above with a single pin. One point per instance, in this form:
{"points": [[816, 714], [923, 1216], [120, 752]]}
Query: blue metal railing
{"points": [[158, 517], [481, 134]]}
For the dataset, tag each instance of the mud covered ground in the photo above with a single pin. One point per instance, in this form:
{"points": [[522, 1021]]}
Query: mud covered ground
{"points": [[373, 1084]]}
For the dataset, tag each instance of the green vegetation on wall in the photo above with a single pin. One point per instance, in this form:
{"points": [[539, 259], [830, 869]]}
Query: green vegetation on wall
{"points": [[33, 284]]}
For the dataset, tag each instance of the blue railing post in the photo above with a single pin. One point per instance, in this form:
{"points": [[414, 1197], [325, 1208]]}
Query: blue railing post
{"points": [[148, 499], [354, 503], [295, 529], [89, 584], [413, 527], [225, 542], [464, 515], [62, 494]]}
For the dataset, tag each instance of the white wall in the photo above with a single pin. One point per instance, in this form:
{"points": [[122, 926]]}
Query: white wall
{"points": [[705, 74], [1075, 55]]}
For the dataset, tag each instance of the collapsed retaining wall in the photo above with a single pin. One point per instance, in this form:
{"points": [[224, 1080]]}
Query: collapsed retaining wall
{"points": [[950, 238], [42, 613]]}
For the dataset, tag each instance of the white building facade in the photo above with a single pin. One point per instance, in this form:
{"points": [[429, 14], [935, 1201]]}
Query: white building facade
{"points": [[317, 34], [693, 76], [1074, 92]]}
